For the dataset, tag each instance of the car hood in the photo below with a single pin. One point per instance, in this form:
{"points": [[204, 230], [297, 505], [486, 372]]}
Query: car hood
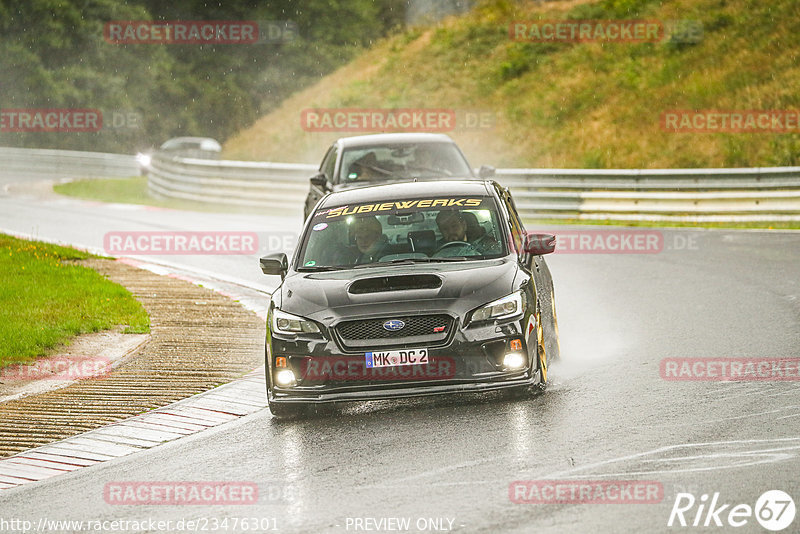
{"points": [[454, 288]]}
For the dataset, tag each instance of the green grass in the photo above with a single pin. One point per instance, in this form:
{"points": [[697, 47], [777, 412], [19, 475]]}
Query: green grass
{"points": [[570, 105], [47, 298], [133, 190]]}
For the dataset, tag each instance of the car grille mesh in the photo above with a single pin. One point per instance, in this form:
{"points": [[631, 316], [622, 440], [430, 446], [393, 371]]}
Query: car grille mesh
{"points": [[418, 329]]}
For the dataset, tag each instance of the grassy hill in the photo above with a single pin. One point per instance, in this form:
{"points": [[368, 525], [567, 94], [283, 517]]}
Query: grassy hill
{"points": [[585, 105]]}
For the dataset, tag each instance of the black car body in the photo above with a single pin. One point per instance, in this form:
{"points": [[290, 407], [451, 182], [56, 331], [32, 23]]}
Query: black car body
{"points": [[427, 314], [369, 159]]}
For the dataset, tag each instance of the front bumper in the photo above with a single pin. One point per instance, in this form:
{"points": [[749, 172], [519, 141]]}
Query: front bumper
{"points": [[397, 392], [469, 360]]}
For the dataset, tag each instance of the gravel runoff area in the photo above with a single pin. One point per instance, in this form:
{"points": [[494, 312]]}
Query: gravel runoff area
{"points": [[199, 340]]}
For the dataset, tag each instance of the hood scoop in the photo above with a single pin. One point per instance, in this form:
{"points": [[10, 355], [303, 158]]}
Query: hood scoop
{"points": [[395, 283]]}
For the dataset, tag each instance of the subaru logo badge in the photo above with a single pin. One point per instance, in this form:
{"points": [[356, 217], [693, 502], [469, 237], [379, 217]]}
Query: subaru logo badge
{"points": [[394, 325]]}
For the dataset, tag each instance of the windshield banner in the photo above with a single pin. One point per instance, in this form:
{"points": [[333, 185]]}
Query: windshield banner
{"points": [[455, 202]]}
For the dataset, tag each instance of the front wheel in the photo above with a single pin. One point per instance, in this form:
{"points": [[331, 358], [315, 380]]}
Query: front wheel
{"points": [[550, 320]]}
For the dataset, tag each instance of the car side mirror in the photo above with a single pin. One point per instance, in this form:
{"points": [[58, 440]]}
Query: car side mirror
{"points": [[275, 264], [486, 171], [539, 244], [320, 180]]}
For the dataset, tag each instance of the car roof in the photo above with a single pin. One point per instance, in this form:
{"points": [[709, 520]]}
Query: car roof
{"points": [[393, 191], [392, 138], [205, 143]]}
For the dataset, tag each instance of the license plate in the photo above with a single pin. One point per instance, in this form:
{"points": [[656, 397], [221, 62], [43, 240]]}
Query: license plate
{"points": [[390, 358]]}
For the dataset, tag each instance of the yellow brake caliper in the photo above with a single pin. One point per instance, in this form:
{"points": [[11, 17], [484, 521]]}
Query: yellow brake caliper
{"points": [[540, 341]]}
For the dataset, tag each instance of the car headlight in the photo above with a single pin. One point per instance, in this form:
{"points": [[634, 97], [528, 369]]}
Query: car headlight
{"points": [[503, 308], [143, 159], [285, 378], [286, 323]]}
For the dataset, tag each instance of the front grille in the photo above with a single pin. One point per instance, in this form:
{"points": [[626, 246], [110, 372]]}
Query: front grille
{"points": [[418, 329]]}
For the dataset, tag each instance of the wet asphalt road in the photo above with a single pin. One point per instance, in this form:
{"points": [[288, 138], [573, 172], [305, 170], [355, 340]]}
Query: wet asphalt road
{"points": [[447, 463]]}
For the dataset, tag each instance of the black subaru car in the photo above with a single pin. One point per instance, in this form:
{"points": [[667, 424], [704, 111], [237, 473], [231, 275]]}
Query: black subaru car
{"points": [[410, 289]]}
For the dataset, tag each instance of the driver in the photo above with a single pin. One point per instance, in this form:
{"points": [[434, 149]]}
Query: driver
{"points": [[370, 241], [427, 158], [453, 227], [366, 168]]}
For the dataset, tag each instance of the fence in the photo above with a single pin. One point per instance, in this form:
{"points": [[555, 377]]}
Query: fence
{"points": [[34, 162], [237, 183], [725, 195], [753, 194]]}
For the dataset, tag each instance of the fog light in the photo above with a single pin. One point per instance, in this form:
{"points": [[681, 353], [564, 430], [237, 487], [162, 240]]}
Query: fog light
{"points": [[514, 360], [285, 378]]}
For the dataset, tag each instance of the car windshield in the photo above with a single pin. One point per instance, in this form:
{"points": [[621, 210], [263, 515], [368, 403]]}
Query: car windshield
{"points": [[403, 231], [406, 161]]}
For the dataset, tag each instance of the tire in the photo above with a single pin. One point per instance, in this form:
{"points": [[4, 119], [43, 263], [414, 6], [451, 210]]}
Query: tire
{"points": [[552, 344]]}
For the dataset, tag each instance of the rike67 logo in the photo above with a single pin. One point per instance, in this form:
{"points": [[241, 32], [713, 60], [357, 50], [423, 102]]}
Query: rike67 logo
{"points": [[774, 510]]}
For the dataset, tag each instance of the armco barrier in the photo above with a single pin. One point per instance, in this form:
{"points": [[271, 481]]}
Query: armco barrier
{"points": [[724, 195], [34, 162], [754, 194], [237, 183], [750, 194]]}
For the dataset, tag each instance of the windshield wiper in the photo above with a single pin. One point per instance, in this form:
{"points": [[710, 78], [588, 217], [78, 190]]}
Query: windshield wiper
{"points": [[318, 268]]}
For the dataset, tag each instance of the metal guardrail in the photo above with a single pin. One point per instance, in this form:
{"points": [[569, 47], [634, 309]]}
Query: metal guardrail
{"points": [[749, 194], [237, 183], [34, 162], [702, 195]]}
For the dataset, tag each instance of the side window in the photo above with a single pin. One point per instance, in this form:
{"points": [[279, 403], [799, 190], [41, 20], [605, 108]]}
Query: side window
{"points": [[517, 230], [329, 163]]}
